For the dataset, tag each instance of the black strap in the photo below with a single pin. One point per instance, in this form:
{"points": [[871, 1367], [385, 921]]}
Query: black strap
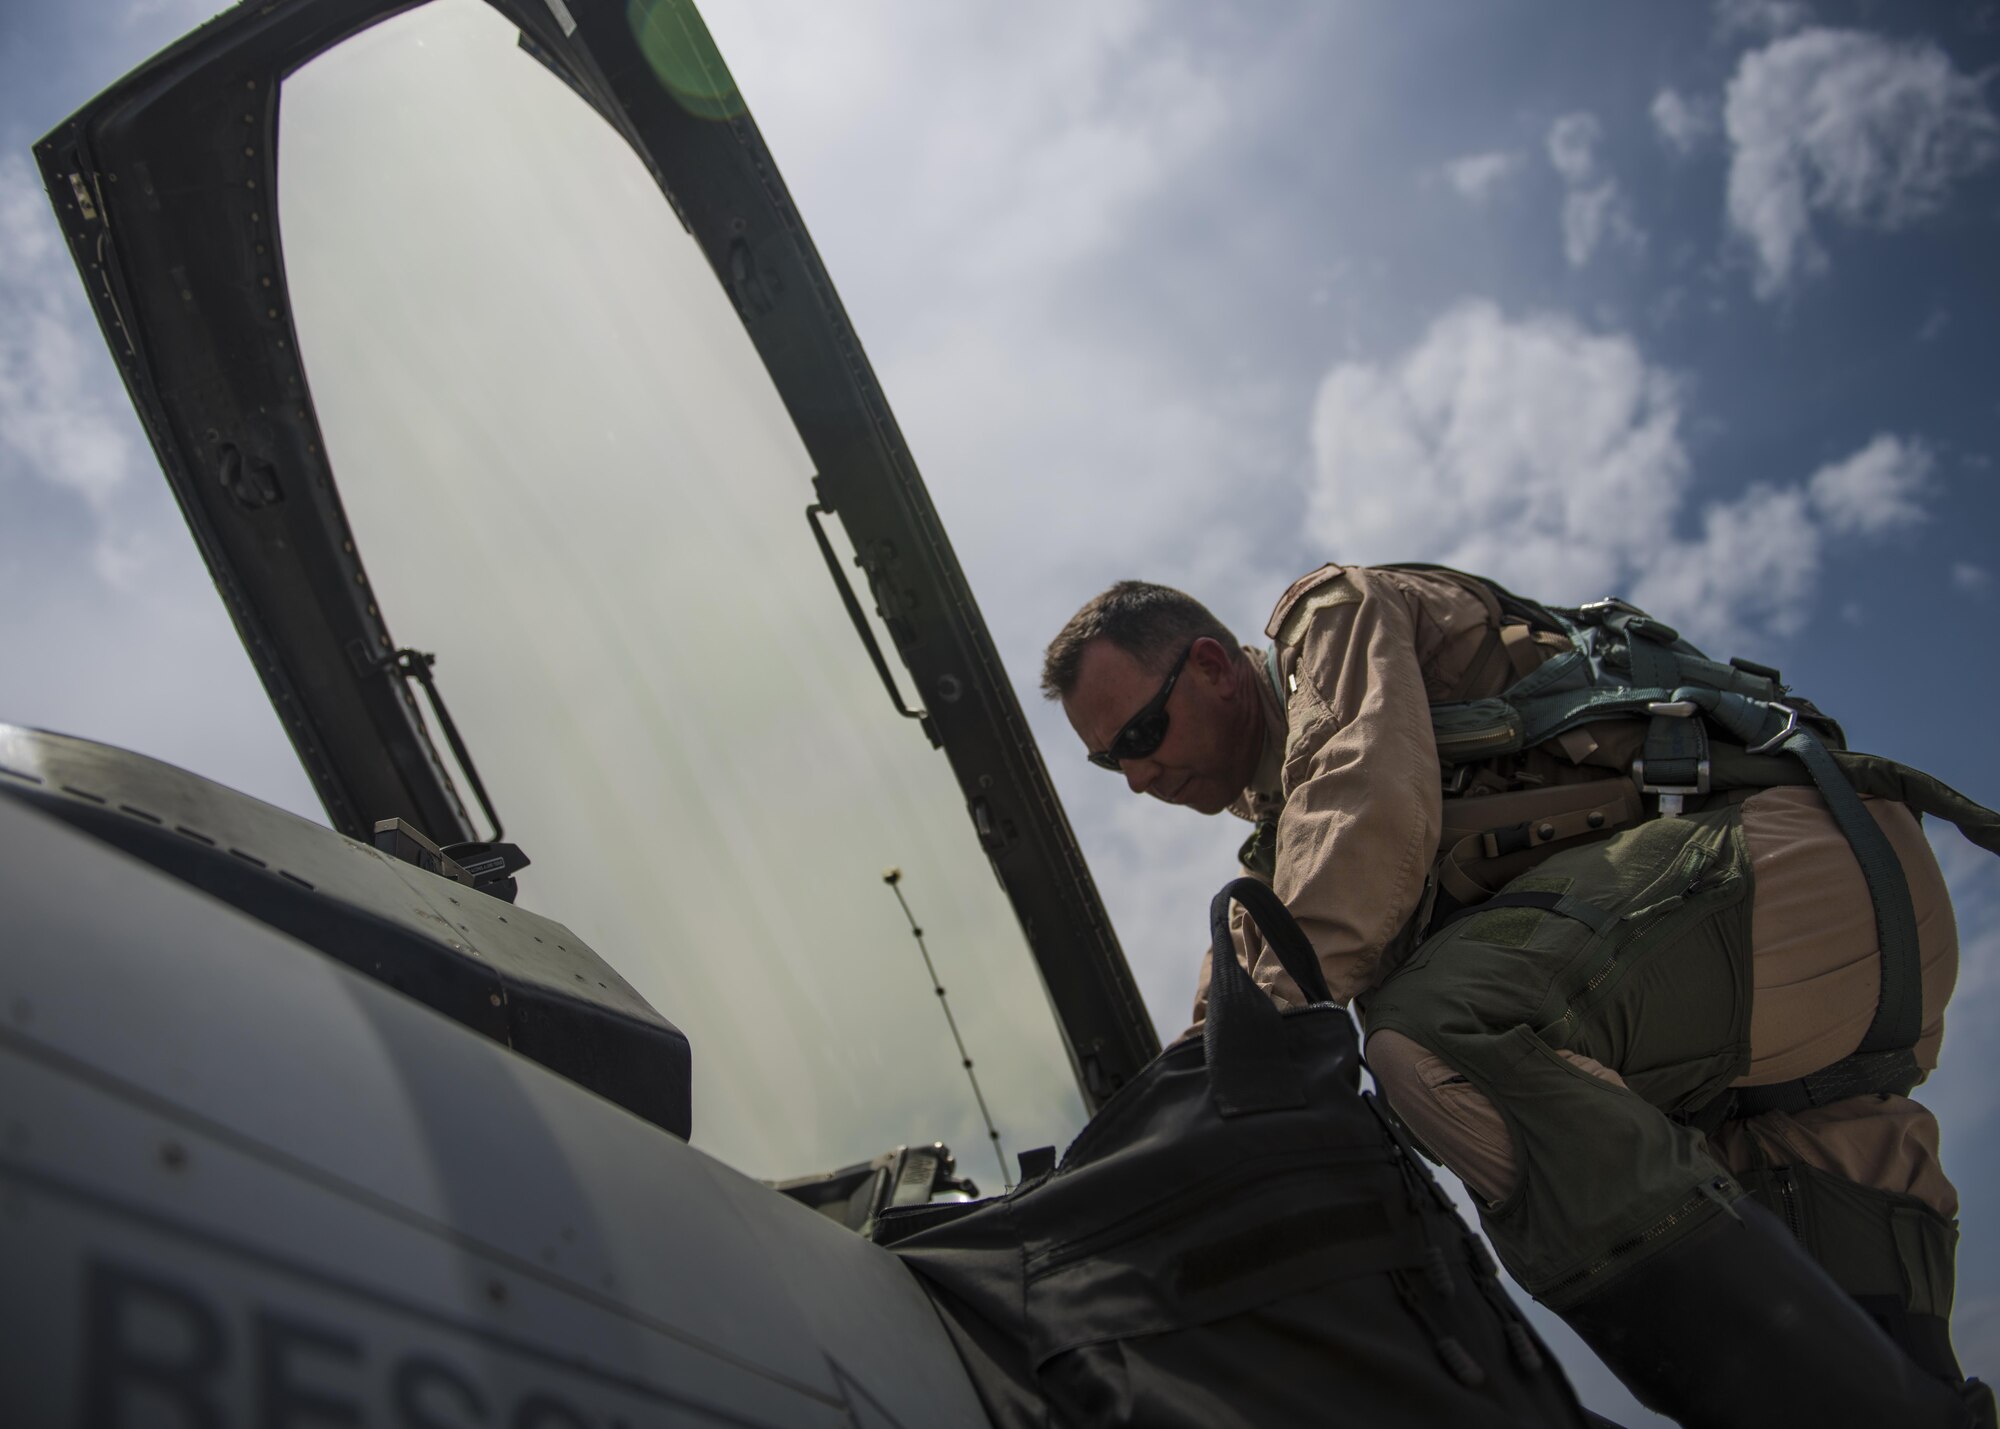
{"points": [[1899, 1010], [1281, 933], [1250, 1067], [1886, 779], [1863, 1074], [1899, 1015]]}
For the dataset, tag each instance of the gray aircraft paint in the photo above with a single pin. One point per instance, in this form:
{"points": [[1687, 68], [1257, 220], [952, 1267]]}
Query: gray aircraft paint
{"points": [[238, 1176]]}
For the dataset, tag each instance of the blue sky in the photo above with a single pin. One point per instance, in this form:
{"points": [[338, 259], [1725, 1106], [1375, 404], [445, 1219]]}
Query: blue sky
{"points": [[1690, 304]]}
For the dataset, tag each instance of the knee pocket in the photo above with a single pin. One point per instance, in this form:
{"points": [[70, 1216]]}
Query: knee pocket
{"points": [[1453, 1122]]}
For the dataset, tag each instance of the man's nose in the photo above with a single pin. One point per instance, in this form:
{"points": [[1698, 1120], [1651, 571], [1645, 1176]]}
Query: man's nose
{"points": [[1140, 774]]}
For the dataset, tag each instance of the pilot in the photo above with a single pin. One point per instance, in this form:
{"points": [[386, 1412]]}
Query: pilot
{"points": [[1576, 986]]}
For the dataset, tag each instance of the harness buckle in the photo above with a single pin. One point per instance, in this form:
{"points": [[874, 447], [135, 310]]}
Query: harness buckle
{"points": [[1673, 797], [1791, 727]]}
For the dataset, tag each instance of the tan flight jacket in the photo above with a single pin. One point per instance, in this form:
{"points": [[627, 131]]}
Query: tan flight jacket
{"points": [[1351, 768]]}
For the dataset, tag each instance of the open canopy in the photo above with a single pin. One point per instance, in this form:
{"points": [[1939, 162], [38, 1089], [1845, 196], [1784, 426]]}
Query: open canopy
{"points": [[432, 367]]}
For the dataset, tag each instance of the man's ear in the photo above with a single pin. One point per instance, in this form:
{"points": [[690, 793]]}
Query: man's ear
{"points": [[1215, 661]]}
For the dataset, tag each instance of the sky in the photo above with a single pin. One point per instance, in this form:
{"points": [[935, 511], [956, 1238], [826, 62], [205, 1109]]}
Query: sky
{"points": [[1688, 304]]}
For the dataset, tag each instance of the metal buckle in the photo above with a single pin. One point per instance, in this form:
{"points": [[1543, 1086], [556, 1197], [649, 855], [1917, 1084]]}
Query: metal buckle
{"points": [[1609, 604], [1791, 728], [1673, 797]]}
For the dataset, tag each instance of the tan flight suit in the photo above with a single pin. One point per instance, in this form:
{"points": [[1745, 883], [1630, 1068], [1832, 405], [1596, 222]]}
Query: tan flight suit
{"points": [[1514, 1028]]}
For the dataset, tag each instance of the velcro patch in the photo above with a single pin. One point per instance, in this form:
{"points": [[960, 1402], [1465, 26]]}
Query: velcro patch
{"points": [[1339, 591]]}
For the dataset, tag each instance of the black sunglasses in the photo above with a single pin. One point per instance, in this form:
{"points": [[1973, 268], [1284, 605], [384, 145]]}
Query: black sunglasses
{"points": [[1143, 732]]}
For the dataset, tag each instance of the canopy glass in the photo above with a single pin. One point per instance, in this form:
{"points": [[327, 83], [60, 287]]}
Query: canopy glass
{"points": [[570, 477]]}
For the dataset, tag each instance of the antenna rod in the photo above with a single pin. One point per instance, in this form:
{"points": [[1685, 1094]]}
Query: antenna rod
{"points": [[894, 878]]}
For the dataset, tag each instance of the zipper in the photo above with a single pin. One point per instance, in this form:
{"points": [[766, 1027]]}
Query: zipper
{"points": [[1707, 877], [1708, 880], [1705, 1194], [1788, 1203]]}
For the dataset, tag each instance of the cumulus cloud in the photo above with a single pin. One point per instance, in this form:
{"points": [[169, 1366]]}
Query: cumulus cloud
{"points": [[1683, 123], [1594, 208], [1552, 459], [1865, 130], [1970, 578], [1475, 177], [1875, 490]]}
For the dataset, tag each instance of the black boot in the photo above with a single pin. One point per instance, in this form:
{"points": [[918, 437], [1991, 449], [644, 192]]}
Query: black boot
{"points": [[1736, 1326]]}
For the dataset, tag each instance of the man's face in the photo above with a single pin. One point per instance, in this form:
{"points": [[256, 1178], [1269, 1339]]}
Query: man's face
{"points": [[1214, 726]]}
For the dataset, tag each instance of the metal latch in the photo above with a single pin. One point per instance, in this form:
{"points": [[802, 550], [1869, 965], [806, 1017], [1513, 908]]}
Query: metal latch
{"points": [[84, 205], [1791, 728]]}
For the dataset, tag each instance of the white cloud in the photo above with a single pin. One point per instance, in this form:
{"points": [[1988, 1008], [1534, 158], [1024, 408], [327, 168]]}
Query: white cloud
{"points": [[1476, 177], [1572, 143], [1552, 459], [1875, 490], [1752, 567], [1970, 578], [1867, 130], [1086, 113], [53, 417], [1588, 216], [1594, 208], [1964, 1092], [1684, 123], [1759, 18]]}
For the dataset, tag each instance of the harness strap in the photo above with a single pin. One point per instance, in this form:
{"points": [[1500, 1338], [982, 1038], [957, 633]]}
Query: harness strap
{"points": [[1899, 1011], [1899, 1015], [1862, 1074], [1887, 779], [1674, 761], [1658, 676]]}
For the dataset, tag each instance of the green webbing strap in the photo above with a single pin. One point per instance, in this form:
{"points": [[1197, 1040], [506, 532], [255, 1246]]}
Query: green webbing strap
{"points": [[1259, 852], [1676, 748]]}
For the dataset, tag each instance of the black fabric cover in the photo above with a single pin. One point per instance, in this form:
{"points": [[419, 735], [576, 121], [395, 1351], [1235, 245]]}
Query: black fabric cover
{"points": [[1238, 1237]]}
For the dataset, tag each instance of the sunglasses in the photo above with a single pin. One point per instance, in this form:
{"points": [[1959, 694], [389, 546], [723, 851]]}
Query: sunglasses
{"points": [[1143, 732]]}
